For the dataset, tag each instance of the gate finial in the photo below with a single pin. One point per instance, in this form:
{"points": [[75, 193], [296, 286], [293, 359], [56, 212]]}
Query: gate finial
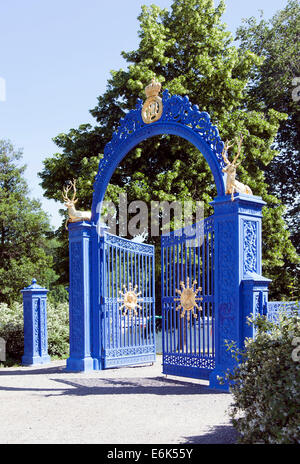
{"points": [[153, 107], [153, 89]]}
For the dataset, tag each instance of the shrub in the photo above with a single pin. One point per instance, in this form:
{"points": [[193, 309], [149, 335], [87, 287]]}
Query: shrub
{"points": [[11, 330], [265, 384], [58, 294], [58, 329]]}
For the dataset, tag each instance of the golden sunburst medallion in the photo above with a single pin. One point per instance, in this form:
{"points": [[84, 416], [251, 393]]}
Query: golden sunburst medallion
{"points": [[188, 299], [153, 107], [130, 300]]}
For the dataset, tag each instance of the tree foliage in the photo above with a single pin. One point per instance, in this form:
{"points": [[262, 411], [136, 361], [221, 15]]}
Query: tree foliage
{"points": [[274, 85], [25, 245], [189, 50]]}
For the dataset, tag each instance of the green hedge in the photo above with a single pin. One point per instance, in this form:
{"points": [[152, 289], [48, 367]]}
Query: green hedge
{"points": [[11, 330], [266, 384]]}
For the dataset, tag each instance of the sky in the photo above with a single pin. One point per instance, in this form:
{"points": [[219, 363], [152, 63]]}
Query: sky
{"points": [[55, 59]]}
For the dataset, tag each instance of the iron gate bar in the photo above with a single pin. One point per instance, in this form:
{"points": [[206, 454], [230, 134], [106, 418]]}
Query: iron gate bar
{"points": [[188, 342]]}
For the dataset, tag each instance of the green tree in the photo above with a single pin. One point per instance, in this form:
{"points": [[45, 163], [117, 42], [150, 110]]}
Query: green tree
{"points": [[273, 85], [25, 248], [189, 50]]}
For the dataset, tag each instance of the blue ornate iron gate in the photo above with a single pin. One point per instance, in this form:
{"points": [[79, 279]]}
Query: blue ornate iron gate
{"points": [[128, 303], [188, 308], [227, 265]]}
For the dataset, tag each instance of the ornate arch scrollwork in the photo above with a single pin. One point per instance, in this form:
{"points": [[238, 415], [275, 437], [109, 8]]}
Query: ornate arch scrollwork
{"points": [[178, 117]]}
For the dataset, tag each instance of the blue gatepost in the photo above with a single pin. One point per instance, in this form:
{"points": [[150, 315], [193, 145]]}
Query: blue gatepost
{"points": [[240, 289], [80, 252], [35, 325]]}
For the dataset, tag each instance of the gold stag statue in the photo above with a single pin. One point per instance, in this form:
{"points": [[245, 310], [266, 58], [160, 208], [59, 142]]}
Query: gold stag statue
{"points": [[233, 185], [74, 215]]}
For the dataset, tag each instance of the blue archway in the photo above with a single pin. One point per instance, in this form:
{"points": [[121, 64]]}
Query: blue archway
{"points": [[237, 286], [179, 118]]}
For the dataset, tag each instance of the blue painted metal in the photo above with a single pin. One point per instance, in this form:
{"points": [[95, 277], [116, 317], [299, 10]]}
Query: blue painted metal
{"points": [[35, 325], [179, 118], [100, 264], [82, 235], [273, 309], [127, 338], [187, 256], [239, 286], [254, 298], [229, 267]]}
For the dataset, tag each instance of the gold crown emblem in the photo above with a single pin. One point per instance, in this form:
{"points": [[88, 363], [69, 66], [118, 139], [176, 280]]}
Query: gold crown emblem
{"points": [[153, 89]]}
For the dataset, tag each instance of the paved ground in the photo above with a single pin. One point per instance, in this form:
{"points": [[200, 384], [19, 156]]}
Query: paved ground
{"points": [[134, 405]]}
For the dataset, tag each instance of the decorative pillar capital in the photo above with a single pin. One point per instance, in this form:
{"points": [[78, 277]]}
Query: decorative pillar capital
{"points": [[79, 228], [249, 205]]}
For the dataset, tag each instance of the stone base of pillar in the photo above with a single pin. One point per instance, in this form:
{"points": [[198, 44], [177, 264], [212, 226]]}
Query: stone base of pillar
{"points": [[214, 382], [80, 364], [33, 360]]}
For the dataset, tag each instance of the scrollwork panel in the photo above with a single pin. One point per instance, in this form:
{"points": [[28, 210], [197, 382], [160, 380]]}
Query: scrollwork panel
{"points": [[250, 246]]}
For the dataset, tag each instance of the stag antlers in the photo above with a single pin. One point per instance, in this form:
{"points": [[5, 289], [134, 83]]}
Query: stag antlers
{"points": [[66, 191], [226, 148], [74, 215], [232, 185]]}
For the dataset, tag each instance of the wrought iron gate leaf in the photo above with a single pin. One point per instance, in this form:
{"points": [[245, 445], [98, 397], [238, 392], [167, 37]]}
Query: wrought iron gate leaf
{"points": [[128, 309], [188, 300]]}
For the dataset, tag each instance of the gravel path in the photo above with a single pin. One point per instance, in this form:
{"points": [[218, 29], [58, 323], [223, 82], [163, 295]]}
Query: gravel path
{"points": [[133, 405]]}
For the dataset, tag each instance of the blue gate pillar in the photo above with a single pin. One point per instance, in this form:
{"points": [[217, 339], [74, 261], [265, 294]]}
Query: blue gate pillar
{"points": [[254, 299], [80, 254], [35, 325], [238, 265]]}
